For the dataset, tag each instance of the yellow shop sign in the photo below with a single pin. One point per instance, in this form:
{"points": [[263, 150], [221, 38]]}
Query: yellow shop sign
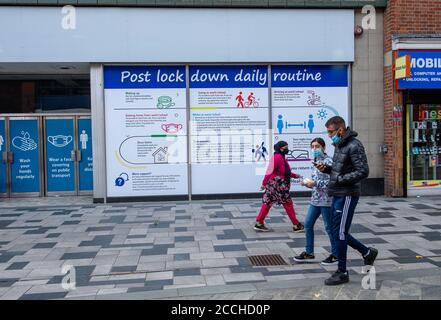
{"points": [[402, 67]]}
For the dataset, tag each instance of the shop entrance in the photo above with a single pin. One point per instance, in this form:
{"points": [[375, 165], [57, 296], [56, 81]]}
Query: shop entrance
{"points": [[45, 155], [423, 141], [45, 130]]}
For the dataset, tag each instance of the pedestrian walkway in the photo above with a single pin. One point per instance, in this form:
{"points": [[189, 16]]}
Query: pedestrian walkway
{"points": [[201, 249]]}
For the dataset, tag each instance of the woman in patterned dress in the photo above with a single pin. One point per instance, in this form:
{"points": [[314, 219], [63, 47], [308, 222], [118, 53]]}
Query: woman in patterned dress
{"points": [[276, 184]]}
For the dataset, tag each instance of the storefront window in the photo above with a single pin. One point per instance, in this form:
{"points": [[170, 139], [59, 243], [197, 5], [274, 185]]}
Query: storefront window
{"points": [[425, 142], [63, 94]]}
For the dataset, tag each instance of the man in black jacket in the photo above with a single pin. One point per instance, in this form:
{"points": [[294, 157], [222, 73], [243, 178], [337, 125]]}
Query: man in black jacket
{"points": [[349, 167]]}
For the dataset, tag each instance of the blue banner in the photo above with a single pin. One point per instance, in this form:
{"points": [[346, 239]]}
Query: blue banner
{"points": [[126, 77], [25, 169], [309, 76], [85, 147], [425, 70], [2, 164], [59, 165], [228, 76]]}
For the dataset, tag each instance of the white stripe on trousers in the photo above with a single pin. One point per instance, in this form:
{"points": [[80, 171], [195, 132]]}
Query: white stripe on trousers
{"points": [[344, 217]]}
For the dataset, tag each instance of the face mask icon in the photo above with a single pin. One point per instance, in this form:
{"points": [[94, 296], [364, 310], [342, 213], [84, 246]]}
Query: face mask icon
{"points": [[59, 141], [171, 127], [121, 180]]}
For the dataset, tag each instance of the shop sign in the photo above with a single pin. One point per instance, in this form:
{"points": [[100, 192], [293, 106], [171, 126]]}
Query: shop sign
{"points": [[425, 70], [402, 67]]}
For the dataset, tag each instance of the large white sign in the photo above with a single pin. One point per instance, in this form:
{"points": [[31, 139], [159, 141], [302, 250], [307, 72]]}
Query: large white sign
{"points": [[230, 136], [303, 98], [146, 131], [229, 133]]}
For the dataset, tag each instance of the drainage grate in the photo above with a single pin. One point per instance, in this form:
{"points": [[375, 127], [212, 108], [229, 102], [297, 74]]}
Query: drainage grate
{"points": [[267, 260]]}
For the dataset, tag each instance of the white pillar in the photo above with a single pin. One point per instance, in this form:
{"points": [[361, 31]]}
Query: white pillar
{"points": [[98, 132]]}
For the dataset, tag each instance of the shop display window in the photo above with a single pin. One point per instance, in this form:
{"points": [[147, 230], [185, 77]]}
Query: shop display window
{"points": [[424, 142]]}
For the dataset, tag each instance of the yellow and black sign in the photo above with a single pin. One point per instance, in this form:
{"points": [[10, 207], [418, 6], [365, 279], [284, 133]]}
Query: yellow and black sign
{"points": [[402, 67]]}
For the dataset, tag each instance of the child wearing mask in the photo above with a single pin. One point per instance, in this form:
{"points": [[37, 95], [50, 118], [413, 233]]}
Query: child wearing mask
{"points": [[320, 204]]}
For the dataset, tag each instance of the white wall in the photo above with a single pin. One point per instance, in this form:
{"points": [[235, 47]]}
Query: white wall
{"points": [[155, 35]]}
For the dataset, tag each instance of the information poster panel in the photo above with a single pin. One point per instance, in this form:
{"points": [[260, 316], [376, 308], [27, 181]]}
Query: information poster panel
{"points": [[229, 128], [60, 168], [25, 168], [2, 163], [303, 98], [146, 130], [85, 147]]}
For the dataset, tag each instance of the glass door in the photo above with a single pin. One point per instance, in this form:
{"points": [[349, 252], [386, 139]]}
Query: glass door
{"points": [[59, 137], [84, 155], [25, 156], [424, 145]]}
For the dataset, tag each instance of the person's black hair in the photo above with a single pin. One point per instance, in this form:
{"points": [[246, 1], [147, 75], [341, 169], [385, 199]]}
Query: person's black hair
{"points": [[277, 150], [279, 145], [336, 121], [320, 141]]}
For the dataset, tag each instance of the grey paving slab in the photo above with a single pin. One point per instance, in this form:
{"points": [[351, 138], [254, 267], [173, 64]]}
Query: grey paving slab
{"points": [[119, 245], [187, 272], [14, 293], [43, 296], [152, 266]]}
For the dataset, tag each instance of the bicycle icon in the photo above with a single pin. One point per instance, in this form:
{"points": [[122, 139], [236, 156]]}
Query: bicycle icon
{"points": [[250, 102], [255, 104]]}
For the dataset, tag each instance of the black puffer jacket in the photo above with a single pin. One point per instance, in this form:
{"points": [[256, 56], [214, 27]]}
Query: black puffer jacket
{"points": [[350, 166]]}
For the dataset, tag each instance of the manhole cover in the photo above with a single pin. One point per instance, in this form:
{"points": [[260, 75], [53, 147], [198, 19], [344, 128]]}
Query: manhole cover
{"points": [[267, 260]]}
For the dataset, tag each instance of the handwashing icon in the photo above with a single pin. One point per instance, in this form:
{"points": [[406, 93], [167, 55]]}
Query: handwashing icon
{"points": [[59, 141], [24, 143]]}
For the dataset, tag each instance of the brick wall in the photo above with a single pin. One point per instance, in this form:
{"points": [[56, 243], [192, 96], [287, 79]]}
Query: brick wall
{"points": [[402, 17]]}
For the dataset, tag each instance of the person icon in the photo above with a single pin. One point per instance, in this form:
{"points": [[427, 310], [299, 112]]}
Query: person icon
{"points": [[263, 150], [84, 138], [251, 99], [280, 123], [240, 100], [311, 123], [2, 141], [257, 153]]}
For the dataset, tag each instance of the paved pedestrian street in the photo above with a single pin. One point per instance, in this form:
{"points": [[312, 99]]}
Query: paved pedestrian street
{"points": [[69, 248]]}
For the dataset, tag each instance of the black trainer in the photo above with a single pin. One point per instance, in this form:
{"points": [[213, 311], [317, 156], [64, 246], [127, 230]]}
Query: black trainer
{"points": [[304, 256], [329, 261], [337, 278], [370, 257], [298, 227], [260, 227]]}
